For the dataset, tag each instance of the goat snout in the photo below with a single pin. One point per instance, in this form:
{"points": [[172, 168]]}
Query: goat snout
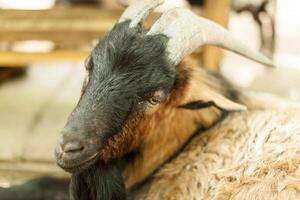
{"points": [[70, 149], [75, 150], [73, 146]]}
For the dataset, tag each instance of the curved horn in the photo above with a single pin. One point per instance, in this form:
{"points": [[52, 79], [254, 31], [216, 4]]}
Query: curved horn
{"points": [[187, 31], [138, 10]]}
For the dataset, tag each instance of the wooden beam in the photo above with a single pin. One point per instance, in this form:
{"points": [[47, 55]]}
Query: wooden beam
{"points": [[11, 59], [79, 24], [60, 24], [73, 26]]}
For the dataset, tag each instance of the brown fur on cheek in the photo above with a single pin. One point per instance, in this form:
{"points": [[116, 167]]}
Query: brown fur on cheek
{"points": [[130, 138], [170, 127], [116, 146], [136, 130]]}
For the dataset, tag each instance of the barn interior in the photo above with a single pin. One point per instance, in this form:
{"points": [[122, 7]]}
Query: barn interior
{"points": [[44, 44]]}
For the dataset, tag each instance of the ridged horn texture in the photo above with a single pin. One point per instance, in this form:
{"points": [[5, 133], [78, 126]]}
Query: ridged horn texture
{"points": [[138, 10], [187, 31]]}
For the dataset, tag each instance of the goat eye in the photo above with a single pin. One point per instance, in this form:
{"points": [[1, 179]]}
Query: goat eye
{"points": [[157, 98], [154, 101]]}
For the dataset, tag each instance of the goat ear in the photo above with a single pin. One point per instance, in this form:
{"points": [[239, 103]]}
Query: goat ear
{"points": [[209, 98]]}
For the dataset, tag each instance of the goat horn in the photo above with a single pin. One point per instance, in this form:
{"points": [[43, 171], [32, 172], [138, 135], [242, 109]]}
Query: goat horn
{"points": [[138, 10], [187, 31]]}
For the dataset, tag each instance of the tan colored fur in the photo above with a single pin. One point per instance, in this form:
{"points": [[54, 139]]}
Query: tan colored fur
{"points": [[165, 126], [168, 129], [254, 155], [250, 155]]}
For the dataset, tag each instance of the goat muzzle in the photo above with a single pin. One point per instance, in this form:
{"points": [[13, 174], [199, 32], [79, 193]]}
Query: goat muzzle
{"points": [[74, 153]]}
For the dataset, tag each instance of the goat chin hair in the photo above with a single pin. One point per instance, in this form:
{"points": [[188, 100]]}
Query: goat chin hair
{"points": [[100, 181]]}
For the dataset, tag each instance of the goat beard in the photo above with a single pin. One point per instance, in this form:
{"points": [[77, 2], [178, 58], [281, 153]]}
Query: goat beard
{"points": [[100, 181]]}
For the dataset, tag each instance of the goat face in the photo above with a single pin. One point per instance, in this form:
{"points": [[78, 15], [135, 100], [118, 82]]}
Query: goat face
{"points": [[128, 73]]}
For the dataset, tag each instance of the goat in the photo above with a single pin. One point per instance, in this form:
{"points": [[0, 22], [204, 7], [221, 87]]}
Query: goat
{"points": [[139, 91], [249, 155]]}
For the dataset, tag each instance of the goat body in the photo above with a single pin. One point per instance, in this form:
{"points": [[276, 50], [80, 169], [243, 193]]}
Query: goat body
{"points": [[245, 155], [249, 155]]}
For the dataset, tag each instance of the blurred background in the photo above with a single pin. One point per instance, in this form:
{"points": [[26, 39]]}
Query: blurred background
{"points": [[43, 45]]}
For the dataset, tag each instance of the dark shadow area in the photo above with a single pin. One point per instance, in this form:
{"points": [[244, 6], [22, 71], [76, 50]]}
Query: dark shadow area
{"points": [[42, 188]]}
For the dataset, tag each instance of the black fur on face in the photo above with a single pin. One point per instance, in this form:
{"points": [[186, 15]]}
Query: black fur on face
{"points": [[125, 69]]}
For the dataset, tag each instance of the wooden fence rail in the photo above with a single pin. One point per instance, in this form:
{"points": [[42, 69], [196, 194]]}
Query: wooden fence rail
{"points": [[74, 26]]}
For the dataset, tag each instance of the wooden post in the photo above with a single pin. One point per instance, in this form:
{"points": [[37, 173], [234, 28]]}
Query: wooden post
{"points": [[218, 11]]}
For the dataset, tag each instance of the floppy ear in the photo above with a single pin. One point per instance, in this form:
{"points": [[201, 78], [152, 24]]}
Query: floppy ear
{"points": [[206, 97]]}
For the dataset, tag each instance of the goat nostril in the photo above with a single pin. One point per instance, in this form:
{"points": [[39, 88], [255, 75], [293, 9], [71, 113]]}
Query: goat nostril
{"points": [[73, 147]]}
